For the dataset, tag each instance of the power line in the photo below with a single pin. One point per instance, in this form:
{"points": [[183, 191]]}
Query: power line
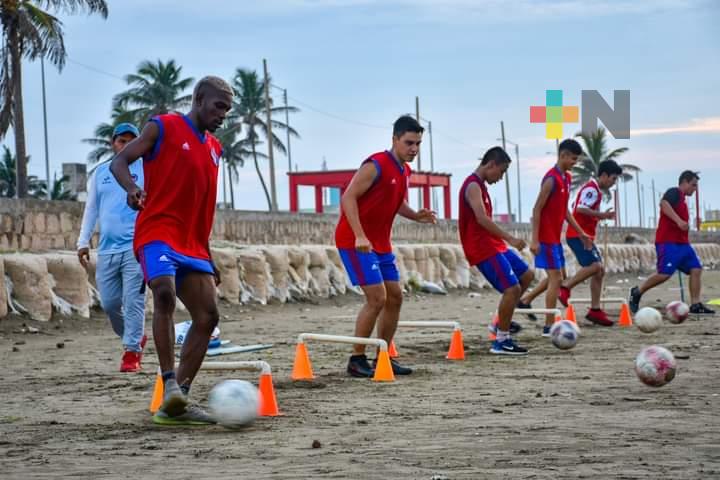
{"points": [[94, 69]]}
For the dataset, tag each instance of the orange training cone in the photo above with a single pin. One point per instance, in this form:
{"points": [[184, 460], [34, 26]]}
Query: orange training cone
{"points": [[495, 320], [570, 313], [625, 317], [383, 369], [158, 391], [457, 349], [302, 369], [392, 351], [268, 402]]}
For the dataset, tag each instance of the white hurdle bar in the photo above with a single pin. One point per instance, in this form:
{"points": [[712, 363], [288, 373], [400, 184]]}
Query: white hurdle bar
{"points": [[602, 300], [537, 311], [431, 324], [321, 337], [457, 349], [256, 365]]}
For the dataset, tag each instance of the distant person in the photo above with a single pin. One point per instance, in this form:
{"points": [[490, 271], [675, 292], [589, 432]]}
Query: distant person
{"points": [[172, 234], [118, 275], [483, 242], [374, 197], [672, 245]]}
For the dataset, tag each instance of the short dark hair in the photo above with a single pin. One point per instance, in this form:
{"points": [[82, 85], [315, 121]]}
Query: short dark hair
{"points": [[211, 82], [609, 168], [406, 123], [497, 155], [571, 146], [688, 176]]}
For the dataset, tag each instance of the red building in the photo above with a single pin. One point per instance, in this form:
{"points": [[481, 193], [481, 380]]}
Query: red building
{"points": [[341, 179]]}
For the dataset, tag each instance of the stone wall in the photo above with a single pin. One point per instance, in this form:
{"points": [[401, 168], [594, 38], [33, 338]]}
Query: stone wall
{"points": [[38, 225]]}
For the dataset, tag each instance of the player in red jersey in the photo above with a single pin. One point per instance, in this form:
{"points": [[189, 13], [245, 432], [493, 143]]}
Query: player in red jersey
{"points": [[672, 245], [172, 234], [376, 194], [549, 215], [484, 245]]}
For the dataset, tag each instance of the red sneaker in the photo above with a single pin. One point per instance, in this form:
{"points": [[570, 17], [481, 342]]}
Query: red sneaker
{"points": [[564, 296], [599, 317], [130, 361]]}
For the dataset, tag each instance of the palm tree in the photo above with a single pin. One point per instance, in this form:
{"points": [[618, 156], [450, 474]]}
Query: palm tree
{"points": [[235, 151], [59, 189], [155, 88], [8, 173], [249, 109], [102, 141], [30, 32]]}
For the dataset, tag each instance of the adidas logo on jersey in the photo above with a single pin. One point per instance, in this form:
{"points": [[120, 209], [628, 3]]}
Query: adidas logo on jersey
{"points": [[393, 181], [186, 146], [163, 258]]}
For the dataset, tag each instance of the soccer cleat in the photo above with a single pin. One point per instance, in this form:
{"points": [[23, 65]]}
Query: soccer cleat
{"points": [[359, 367], [564, 296], [546, 331], [599, 317], [525, 306], [634, 300], [397, 368], [700, 309], [130, 362], [515, 327], [174, 401], [193, 415], [508, 347]]}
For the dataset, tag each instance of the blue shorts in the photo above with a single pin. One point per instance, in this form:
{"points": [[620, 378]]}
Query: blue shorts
{"points": [[676, 256], [584, 257], [551, 257], [369, 268], [157, 259], [503, 270]]}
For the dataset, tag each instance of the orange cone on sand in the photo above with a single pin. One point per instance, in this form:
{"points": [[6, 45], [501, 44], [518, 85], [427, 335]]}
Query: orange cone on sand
{"points": [[625, 317], [383, 368], [268, 403], [158, 391], [392, 351], [302, 368], [495, 320], [570, 313], [457, 349]]}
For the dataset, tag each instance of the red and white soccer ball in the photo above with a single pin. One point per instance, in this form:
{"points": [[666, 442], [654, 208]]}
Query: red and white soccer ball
{"points": [[677, 312], [647, 320], [655, 366]]}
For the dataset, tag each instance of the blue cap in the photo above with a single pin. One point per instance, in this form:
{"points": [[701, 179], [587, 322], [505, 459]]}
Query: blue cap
{"points": [[125, 128]]}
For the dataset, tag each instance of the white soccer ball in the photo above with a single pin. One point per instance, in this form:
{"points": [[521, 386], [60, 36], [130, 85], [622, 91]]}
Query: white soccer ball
{"points": [[564, 334], [655, 366], [648, 320], [234, 403], [677, 311]]}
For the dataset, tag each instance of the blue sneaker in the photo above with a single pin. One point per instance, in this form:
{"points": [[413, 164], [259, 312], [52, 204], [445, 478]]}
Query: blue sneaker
{"points": [[507, 347], [515, 328], [546, 331]]}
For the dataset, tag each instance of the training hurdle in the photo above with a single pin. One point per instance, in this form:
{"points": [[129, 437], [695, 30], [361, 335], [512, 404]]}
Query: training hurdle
{"points": [[625, 319], [456, 350], [302, 368], [527, 311], [602, 300], [267, 404]]}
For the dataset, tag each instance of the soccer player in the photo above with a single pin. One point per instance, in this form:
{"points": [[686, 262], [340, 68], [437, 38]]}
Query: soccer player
{"points": [[375, 195], [672, 245], [172, 234], [549, 215], [484, 244], [118, 274]]}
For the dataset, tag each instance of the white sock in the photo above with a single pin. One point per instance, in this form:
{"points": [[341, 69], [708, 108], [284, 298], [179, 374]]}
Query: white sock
{"points": [[502, 335]]}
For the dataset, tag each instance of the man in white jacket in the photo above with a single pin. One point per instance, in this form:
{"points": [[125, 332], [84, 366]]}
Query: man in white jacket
{"points": [[118, 275]]}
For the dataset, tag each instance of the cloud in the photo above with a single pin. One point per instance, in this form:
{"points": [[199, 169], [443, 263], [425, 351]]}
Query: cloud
{"points": [[696, 125]]}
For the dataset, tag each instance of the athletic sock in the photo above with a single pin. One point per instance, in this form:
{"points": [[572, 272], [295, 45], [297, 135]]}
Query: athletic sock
{"points": [[168, 375], [185, 388], [502, 335]]}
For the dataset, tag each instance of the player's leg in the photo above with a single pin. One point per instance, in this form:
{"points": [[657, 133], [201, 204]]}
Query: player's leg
{"points": [[667, 264], [133, 302], [551, 296], [109, 282], [695, 285], [389, 317], [375, 297], [691, 265], [528, 297]]}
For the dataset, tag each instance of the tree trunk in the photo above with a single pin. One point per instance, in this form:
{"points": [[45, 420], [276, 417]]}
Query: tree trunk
{"points": [[232, 191], [262, 180], [18, 117]]}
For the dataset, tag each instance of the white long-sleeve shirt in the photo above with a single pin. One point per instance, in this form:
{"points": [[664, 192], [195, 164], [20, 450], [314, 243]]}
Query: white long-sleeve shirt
{"points": [[107, 206]]}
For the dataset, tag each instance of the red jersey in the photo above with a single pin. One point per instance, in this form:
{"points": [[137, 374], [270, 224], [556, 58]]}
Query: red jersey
{"points": [[588, 197], [378, 206], [668, 231], [554, 212], [477, 242], [181, 175]]}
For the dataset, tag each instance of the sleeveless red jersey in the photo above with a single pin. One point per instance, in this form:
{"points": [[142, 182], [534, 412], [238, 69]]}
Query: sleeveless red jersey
{"points": [[378, 206], [181, 175], [589, 197], [554, 212], [668, 231], [477, 242]]}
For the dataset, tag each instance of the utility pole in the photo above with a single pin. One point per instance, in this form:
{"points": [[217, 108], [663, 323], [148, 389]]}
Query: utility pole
{"points": [[287, 130], [47, 151], [655, 203], [432, 166], [271, 159], [637, 178], [507, 177], [517, 158]]}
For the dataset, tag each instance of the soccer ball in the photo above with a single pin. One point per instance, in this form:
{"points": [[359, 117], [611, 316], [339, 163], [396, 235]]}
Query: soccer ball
{"points": [[234, 403], [655, 366], [648, 320], [564, 334], [677, 312]]}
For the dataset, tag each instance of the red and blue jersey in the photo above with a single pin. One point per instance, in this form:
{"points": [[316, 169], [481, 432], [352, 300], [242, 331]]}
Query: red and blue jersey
{"points": [[379, 205], [589, 197], [668, 231], [181, 175], [554, 212], [478, 243]]}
